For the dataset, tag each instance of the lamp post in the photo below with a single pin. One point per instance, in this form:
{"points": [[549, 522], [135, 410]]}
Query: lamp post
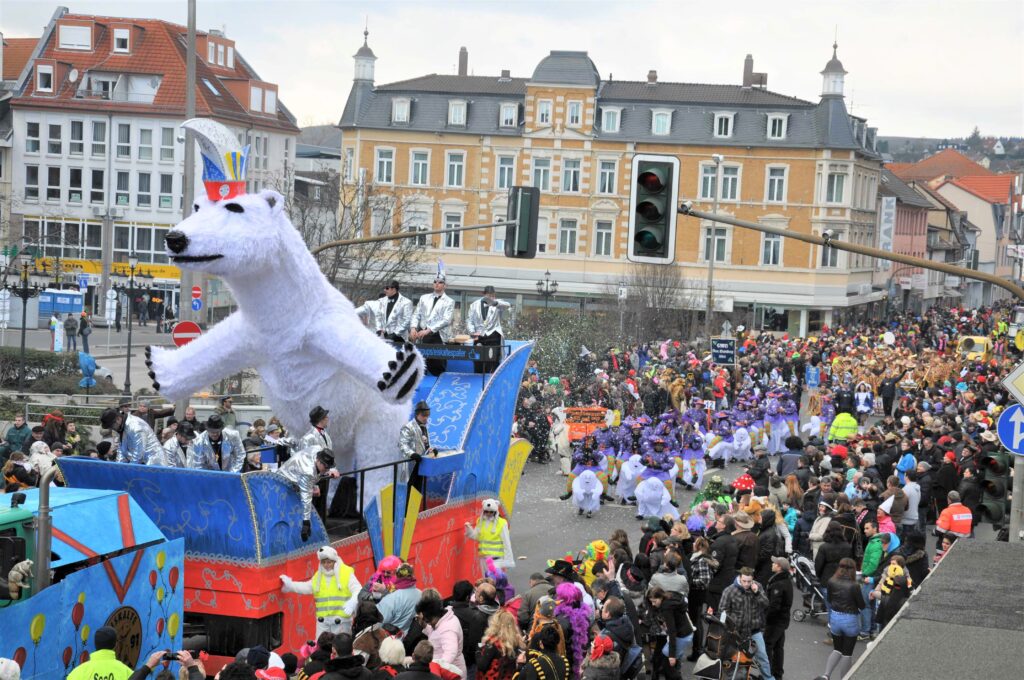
{"points": [[133, 263], [547, 288], [24, 293], [623, 294], [713, 246]]}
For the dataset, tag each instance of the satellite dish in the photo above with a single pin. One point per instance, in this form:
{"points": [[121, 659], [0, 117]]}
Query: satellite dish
{"points": [[73, 76]]}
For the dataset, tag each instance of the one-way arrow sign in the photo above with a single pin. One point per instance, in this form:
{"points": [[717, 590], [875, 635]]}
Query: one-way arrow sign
{"points": [[1011, 429]]}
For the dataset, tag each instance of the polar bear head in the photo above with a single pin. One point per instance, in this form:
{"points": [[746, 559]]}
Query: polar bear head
{"points": [[236, 236]]}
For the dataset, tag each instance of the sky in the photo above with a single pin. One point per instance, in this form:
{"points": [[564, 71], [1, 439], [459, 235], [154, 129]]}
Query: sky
{"points": [[931, 68]]}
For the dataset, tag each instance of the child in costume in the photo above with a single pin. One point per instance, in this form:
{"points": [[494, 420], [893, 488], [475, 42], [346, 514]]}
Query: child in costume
{"points": [[691, 462], [629, 476], [587, 457], [586, 493]]}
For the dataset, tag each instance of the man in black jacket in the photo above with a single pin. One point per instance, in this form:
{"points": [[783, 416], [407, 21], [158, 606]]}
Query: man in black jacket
{"points": [[419, 669], [790, 460], [758, 470], [724, 550], [887, 391], [970, 492], [619, 616], [780, 601], [925, 509]]}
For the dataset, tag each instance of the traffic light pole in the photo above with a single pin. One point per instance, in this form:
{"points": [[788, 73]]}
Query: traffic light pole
{"points": [[1017, 501], [406, 234]]}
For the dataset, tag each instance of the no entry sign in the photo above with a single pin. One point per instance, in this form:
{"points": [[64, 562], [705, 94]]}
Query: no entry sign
{"points": [[197, 292], [185, 332]]}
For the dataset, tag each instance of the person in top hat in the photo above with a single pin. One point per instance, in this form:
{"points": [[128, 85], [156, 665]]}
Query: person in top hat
{"points": [[305, 469], [414, 442], [218, 448], [317, 436], [432, 321], [484, 325], [176, 446], [391, 314], [138, 443]]}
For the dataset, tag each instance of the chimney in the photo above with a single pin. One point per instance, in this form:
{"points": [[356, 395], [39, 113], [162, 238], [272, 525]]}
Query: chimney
{"points": [[750, 78], [652, 77], [506, 76], [463, 61]]}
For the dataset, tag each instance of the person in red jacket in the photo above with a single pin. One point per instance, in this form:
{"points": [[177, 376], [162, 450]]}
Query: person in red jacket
{"points": [[956, 520]]}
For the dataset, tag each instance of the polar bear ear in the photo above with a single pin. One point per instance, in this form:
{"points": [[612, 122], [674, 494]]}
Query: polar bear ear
{"points": [[274, 200]]}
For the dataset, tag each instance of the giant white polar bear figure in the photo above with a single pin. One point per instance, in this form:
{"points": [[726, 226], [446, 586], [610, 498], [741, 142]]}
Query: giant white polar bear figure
{"points": [[300, 332]]}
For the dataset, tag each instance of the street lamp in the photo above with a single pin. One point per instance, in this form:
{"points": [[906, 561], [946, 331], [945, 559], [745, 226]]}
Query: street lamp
{"points": [[24, 293], [713, 246], [133, 263], [623, 294], [547, 288]]}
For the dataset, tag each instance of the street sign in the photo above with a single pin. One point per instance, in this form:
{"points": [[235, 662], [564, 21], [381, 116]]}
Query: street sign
{"points": [[1011, 429], [197, 292], [812, 376], [197, 304], [723, 351], [726, 327], [111, 294], [185, 332], [83, 281], [1014, 383]]}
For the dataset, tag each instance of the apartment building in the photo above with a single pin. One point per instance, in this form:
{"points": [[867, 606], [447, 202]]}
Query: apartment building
{"points": [[442, 150], [97, 154]]}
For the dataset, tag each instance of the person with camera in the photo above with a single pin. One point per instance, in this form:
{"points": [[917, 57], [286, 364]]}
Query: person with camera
{"points": [[195, 670]]}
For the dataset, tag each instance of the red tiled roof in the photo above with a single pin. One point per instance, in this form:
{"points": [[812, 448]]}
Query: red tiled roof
{"points": [[992, 188], [158, 48], [896, 168], [16, 54], [946, 163]]}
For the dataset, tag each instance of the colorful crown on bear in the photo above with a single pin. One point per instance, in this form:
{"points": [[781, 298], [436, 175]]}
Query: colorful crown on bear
{"points": [[225, 161]]}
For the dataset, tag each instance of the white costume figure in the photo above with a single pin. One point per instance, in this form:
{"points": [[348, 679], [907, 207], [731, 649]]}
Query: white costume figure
{"points": [[654, 500], [321, 355], [812, 427], [741, 444], [335, 590], [138, 443], [629, 475], [395, 324], [492, 538], [560, 444], [232, 452], [586, 493]]}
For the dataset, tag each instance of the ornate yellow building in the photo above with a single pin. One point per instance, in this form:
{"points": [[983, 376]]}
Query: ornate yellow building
{"points": [[447, 147]]}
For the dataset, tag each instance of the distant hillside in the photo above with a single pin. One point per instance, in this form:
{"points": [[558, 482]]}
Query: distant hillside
{"points": [[913, 149]]}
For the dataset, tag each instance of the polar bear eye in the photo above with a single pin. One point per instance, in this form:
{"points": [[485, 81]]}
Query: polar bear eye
{"points": [[235, 208]]}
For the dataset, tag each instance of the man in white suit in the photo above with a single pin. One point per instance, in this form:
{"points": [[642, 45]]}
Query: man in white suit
{"points": [[432, 321], [391, 314], [484, 324]]}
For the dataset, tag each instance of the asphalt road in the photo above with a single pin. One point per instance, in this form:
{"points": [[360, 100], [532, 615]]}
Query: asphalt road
{"points": [[544, 527]]}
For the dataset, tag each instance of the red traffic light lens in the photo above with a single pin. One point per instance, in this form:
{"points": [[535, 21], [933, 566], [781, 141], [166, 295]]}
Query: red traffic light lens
{"points": [[651, 181]]}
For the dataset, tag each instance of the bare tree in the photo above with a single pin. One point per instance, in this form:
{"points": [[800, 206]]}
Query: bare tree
{"points": [[326, 208], [662, 303]]}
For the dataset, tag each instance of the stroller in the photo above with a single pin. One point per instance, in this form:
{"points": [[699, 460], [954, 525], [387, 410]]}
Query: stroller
{"points": [[726, 655], [807, 582]]}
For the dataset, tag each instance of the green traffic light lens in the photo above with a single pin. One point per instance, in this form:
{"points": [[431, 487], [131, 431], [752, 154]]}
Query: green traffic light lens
{"points": [[648, 240]]}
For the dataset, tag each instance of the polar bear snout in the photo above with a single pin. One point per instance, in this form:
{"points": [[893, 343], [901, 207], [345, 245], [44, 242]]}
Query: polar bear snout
{"points": [[176, 241]]}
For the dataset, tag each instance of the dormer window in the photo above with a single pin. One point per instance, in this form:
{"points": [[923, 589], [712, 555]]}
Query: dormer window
{"points": [[457, 112], [661, 121], [610, 118], [269, 101], [44, 78], [777, 125], [122, 40], [255, 98], [724, 124], [220, 55], [74, 37], [400, 111], [509, 114], [211, 52], [231, 57]]}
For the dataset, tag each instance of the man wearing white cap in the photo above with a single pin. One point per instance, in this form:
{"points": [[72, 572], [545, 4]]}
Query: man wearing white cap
{"points": [[335, 590], [432, 321]]}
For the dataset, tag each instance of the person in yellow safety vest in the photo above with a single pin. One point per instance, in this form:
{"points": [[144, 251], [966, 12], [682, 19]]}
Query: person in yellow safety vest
{"points": [[335, 590], [843, 427], [491, 536]]}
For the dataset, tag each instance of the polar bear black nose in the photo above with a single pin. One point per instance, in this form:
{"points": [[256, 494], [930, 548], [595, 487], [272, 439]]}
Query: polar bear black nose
{"points": [[176, 241]]}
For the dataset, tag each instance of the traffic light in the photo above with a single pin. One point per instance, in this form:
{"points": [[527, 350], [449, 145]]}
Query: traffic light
{"points": [[524, 208], [994, 468], [652, 209]]}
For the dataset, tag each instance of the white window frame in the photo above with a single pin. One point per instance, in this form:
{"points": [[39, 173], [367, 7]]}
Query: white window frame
{"points": [[569, 106], [414, 164], [166, 150], [123, 149], [231, 57], [51, 140], [381, 220], [123, 34], [777, 240], [707, 183], [33, 143], [144, 198], [416, 221], [457, 112], [97, 190], [617, 112], [75, 188], [220, 55], [504, 119], [389, 164], [830, 196], [166, 198], [211, 52], [348, 169], [400, 110], [782, 119], [570, 174], [122, 190], [76, 147], [544, 107], [145, 149], [459, 167], [736, 181], [609, 188], [255, 98], [545, 174], [769, 181], [31, 188], [269, 101], [65, 33], [604, 237], [829, 258], [53, 188], [101, 142], [730, 123], [452, 240], [567, 245], [44, 70], [724, 238], [661, 113], [506, 172]]}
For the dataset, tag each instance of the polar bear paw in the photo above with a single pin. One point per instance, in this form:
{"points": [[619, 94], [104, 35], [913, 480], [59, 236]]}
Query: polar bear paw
{"points": [[402, 375], [159, 361]]}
